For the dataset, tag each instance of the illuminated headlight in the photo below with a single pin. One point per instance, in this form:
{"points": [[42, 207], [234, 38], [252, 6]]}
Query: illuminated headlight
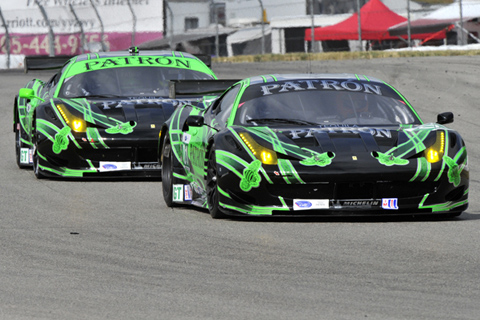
{"points": [[265, 155], [77, 124], [436, 151]]}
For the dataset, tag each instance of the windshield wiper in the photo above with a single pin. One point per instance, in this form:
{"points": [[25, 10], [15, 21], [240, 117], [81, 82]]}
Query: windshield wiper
{"points": [[282, 120]]}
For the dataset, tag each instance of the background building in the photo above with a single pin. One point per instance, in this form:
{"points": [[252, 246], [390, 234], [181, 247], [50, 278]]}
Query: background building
{"points": [[257, 26]]}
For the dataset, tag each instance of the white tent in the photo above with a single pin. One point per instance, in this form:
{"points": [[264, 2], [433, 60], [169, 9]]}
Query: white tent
{"points": [[249, 41], [440, 19]]}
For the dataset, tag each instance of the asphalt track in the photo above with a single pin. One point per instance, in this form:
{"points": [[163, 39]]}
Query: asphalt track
{"points": [[113, 250]]}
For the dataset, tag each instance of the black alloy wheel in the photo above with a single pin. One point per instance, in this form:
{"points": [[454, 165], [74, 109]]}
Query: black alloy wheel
{"points": [[36, 167], [212, 190], [167, 172]]}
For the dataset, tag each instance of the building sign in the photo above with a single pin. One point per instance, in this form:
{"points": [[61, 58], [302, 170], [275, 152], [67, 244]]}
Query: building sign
{"points": [[78, 25]]}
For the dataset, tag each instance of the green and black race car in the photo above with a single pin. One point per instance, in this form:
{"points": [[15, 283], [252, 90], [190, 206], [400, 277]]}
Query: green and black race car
{"points": [[101, 114], [324, 144]]}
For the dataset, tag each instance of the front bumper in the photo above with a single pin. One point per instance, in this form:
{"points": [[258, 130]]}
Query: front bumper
{"points": [[83, 160], [345, 197]]}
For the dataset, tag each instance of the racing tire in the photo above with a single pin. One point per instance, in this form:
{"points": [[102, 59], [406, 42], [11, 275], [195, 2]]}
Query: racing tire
{"points": [[167, 173], [212, 186], [36, 167]]}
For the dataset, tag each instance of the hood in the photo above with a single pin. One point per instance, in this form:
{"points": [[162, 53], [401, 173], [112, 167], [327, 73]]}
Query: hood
{"points": [[142, 114], [402, 142]]}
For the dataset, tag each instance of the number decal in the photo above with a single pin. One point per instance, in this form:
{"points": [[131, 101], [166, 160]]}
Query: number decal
{"points": [[178, 192]]}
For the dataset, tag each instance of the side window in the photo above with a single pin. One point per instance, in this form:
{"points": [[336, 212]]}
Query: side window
{"points": [[53, 82], [47, 87], [224, 107]]}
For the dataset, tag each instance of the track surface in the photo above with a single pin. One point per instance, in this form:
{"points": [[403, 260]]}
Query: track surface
{"points": [[113, 250]]}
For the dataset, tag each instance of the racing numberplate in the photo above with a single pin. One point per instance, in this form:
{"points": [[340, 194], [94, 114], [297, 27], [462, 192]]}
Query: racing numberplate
{"points": [[26, 156], [182, 193]]}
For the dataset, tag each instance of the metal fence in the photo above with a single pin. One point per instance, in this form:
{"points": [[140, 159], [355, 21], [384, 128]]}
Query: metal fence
{"points": [[74, 29], [70, 30]]}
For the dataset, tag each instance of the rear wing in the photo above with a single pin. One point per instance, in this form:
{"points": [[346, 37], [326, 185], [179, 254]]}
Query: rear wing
{"points": [[198, 87], [56, 62], [44, 62]]}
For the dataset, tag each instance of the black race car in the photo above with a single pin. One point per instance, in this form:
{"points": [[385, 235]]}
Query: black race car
{"points": [[101, 114], [324, 144]]}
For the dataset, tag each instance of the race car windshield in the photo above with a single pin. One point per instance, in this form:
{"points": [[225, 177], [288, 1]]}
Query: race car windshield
{"points": [[260, 103], [126, 82]]}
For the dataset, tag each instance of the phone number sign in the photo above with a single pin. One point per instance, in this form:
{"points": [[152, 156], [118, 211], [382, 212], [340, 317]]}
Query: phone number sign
{"points": [[71, 44]]}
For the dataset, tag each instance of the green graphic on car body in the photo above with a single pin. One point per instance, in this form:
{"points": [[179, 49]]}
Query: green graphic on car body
{"points": [[447, 206], [414, 141], [257, 210], [66, 172], [453, 171], [288, 172], [319, 159], [61, 140], [251, 178], [95, 139], [389, 159], [123, 128], [232, 162]]}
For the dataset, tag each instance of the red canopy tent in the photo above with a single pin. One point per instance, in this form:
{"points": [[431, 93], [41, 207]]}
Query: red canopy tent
{"points": [[376, 18]]}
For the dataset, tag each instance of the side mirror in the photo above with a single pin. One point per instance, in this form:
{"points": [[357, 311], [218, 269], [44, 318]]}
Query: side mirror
{"points": [[192, 121], [28, 94], [445, 117]]}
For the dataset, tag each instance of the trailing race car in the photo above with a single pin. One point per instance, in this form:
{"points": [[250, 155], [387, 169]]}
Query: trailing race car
{"points": [[101, 114], [325, 144]]}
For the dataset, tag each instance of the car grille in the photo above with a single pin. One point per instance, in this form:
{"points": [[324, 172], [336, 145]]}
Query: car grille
{"points": [[354, 190], [120, 154]]}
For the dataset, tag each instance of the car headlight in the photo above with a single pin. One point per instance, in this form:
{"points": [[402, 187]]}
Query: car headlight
{"points": [[265, 155], [77, 124], [437, 150]]}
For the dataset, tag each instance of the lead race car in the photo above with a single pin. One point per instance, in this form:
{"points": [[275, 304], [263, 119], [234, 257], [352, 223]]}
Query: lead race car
{"points": [[325, 144], [101, 114]]}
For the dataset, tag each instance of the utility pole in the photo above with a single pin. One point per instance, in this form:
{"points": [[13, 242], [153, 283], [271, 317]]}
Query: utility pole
{"points": [[170, 37], [409, 26], [51, 35], [462, 39], [359, 26], [312, 49], [263, 26], [215, 18]]}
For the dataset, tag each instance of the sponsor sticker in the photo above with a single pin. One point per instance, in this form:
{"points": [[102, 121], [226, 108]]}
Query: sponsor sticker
{"points": [[390, 203], [359, 203], [114, 166], [187, 193], [177, 192], [310, 204], [186, 138]]}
